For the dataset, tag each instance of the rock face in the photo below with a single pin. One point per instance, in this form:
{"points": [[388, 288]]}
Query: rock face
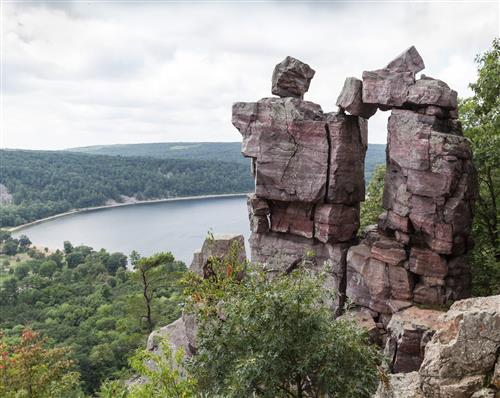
{"points": [[309, 182], [430, 188], [308, 168], [462, 355]]}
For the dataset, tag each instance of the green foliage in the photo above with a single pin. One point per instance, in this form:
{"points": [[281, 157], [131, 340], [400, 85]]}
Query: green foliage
{"points": [[372, 206], [480, 117], [80, 300], [46, 183], [154, 275], [31, 369], [276, 337], [164, 373]]}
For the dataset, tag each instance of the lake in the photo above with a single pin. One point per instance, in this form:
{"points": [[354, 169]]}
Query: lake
{"points": [[176, 226]]}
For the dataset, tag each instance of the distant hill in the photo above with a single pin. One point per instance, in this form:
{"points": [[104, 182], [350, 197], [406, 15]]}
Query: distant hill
{"points": [[44, 183], [221, 151]]}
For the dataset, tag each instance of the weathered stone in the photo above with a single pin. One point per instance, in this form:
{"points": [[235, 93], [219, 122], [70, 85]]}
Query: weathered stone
{"points": [[363, 319], [292, 217], [174, 333], [291, 78], [429, 295], [278, 251], [259, 224], [395, 222], [257, 206], [335, 222], [484, 393], [220, 246], [386, 88], [401, 282], [289, 141], [408, 139], [351, 99], [244, 117], [495, 378], [429, 91], [348, 144], [388, 251], [463, 350], [408, 61], [405, 345], [427, 263], [400, 385]]}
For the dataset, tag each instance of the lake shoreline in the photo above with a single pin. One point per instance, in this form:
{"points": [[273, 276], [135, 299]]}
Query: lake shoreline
{"points": [[110, 206]]}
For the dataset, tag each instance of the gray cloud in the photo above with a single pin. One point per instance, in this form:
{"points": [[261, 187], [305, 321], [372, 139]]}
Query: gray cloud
{"points": [[80, 73]]}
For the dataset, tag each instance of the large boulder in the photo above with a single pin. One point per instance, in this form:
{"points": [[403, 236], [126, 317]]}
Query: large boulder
{"points": [[408, 61], [219, 246], [462, 354], [386, 88], [351, 99], [409, 331], [291, 78], [428, 91], [287, 137]]}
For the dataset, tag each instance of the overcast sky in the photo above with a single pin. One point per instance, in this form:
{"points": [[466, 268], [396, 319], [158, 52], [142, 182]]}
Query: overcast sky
{"points": [[92, 73]]}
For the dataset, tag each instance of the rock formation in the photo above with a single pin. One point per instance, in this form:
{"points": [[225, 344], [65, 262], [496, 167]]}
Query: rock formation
{"points": [[309, 181], [461, 359]]}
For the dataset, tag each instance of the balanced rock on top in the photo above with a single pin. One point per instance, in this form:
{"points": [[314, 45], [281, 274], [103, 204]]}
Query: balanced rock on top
{"points": [[291, 78]]}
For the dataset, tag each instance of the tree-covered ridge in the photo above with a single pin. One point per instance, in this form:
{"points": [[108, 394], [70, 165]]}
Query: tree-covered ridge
{"points": [[222, 151], [44, 183]]}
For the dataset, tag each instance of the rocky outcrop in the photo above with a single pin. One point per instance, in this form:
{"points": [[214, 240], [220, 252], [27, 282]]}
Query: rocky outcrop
{"points": [[309, 182], [419, 250], [462, 355], [461, 359], [182, 332]]}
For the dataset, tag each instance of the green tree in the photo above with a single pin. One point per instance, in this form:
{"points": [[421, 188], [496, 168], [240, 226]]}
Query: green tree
{"points": [[10, 247], [30, 369], [480, 117], [372, 206], [151, 275], [276, 337]]}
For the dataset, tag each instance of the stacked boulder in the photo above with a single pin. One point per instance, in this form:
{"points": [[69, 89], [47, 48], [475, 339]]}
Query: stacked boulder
{"points": [[309, 182], [418, 252], [309, 173]]}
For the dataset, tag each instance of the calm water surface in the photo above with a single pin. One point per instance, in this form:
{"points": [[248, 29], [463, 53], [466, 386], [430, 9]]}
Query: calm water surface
{"points": [[179, 227]]}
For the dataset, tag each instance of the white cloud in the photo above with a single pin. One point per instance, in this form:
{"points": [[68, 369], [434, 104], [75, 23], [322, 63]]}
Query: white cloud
{"points": [[101, 73]]}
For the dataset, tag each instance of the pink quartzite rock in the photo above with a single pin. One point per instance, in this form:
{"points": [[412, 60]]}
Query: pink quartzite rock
{"points": [[348, 144], [388, 251], [288, 139], [292, 217], [408, 61], [386, 88], [336, 223], [408, 139], [429, 91], [257, 206], [409, 331], [351, 99], [427, 263], [291, 78], [244, 117], [429, 295], [259, 224]]}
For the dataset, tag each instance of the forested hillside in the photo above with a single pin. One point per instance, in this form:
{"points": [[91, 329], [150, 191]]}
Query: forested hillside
{"points": [[85, 300], [222, 151], [44, 183]]}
